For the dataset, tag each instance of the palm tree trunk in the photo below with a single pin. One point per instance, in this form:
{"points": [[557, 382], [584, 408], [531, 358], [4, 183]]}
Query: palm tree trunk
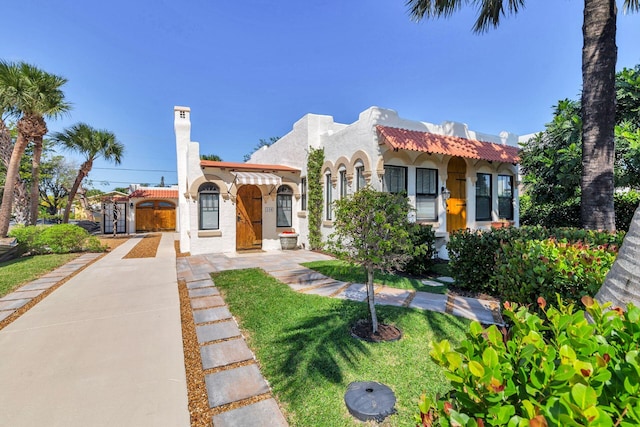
{"points": [[82, 173], [35, 181], [5, 144], [599, 55], [371, 300], [622, 284], [10, 181]]}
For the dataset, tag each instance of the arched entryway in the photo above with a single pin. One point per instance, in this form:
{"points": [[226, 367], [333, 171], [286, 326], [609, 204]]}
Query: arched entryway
{"points": [[155, 215], [248, 218], [457, 203]]}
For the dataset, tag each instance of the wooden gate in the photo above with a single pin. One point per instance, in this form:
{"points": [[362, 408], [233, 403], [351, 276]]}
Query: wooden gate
{"points": [[457, 203], [120, 216], [155, 215], [248, 218]]}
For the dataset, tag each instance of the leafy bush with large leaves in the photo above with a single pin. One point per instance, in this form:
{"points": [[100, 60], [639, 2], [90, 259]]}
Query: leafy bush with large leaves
{"points": [[529, 269], [480, 259], [556, 369]]}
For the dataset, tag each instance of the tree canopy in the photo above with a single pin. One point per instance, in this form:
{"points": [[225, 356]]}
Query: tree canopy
{"points": [[372, 230], [261, 143], [551, 162]]}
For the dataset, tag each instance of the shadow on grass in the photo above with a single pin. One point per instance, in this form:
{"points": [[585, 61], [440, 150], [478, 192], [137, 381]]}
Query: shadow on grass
{"points": [[321, 343]]}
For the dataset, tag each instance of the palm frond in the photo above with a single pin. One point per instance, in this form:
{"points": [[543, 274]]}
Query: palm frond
{"points": [[631, 6], [489, 11]]}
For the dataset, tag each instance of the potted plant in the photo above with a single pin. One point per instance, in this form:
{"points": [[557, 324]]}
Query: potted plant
{"points": [[288, 239]]}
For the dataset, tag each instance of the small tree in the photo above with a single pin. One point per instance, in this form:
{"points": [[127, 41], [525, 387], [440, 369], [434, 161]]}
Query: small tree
{"points": [[262, 143], [372, 230]]}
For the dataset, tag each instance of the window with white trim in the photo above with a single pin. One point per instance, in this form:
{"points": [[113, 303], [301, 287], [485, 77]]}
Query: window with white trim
{"points": [[505, 196], [328, 197], [483, 197], [343, 184], [209, 206], [284, 206], [426, 194], [360, 180], [395, 179], [303, 191]]}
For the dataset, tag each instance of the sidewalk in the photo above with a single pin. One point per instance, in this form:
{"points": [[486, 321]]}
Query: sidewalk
{"points": [[104, 349]]}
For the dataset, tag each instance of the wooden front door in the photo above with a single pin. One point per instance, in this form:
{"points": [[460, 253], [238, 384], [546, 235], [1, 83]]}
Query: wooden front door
{"points": [[457, 203], [248, 218]]}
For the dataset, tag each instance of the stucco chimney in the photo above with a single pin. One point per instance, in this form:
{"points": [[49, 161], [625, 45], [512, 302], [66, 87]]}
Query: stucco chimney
{"points": [[182, 129]]}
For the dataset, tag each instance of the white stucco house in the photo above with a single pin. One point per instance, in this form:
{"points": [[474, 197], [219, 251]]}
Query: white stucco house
{"points": [[454, 177]]}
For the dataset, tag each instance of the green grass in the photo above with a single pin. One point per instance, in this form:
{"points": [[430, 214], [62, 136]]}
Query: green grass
{"points": [[347, 272], [23, 270], [308, 356]]}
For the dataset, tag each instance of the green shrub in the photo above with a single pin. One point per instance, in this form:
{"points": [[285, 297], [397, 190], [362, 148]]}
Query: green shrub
{"points": [[556, 369], [423, 239], [529, 269], [625, 206], [59, 239], [567, 214], [28, 238], [474, 254]]}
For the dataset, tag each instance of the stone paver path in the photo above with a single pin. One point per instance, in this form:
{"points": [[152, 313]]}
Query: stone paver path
{"points": [[10, 303], [231, 373]]}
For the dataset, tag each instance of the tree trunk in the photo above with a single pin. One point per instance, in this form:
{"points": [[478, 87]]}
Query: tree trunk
{"points": [[599, 54], [6, 145], [82, 173], [35, 181], [622, 284], [10, 181], [371, 300]]}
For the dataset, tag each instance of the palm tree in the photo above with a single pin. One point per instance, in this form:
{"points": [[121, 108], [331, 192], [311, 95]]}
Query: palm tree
{"points": [[30, 94], [599, 56], [92, 144], [47, 88]]}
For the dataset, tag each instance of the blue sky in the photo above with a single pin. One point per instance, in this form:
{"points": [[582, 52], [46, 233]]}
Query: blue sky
{"points": [[250, 69]]}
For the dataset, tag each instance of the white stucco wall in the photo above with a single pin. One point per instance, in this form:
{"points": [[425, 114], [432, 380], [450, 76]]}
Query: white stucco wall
{"points": [[341, 141], [344, 145]]}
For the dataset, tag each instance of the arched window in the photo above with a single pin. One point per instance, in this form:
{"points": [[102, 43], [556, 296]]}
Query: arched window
{"points": [[284, 206], [209, 206]]}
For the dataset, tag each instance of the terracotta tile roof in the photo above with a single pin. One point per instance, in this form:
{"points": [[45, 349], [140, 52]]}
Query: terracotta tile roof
{"points": [[247, 166], [403, 139], [154, 193]]}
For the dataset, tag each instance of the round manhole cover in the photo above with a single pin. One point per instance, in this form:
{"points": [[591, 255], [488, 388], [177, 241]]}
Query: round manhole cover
{"points": [[369, 400]]}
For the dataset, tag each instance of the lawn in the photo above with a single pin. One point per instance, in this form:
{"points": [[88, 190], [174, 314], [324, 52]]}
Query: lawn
{"points": [[308, 356], [23, 270], [347, 272]]}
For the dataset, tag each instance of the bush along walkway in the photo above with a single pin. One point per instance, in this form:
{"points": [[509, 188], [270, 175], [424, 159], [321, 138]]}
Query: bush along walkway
{"points": [[15, 303]]}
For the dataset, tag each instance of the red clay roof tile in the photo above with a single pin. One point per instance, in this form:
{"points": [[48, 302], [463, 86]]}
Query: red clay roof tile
{"points": [[154, 193], [404, 139]]}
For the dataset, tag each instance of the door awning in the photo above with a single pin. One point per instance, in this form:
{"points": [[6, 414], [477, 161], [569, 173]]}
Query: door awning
{"points": [[257, 178]]}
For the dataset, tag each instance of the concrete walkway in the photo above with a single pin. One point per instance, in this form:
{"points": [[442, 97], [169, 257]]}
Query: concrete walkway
{"points": [[104, 349]]}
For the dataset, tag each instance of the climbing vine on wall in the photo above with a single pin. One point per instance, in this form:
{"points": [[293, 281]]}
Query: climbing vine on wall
{"points": [[314, 175]]}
